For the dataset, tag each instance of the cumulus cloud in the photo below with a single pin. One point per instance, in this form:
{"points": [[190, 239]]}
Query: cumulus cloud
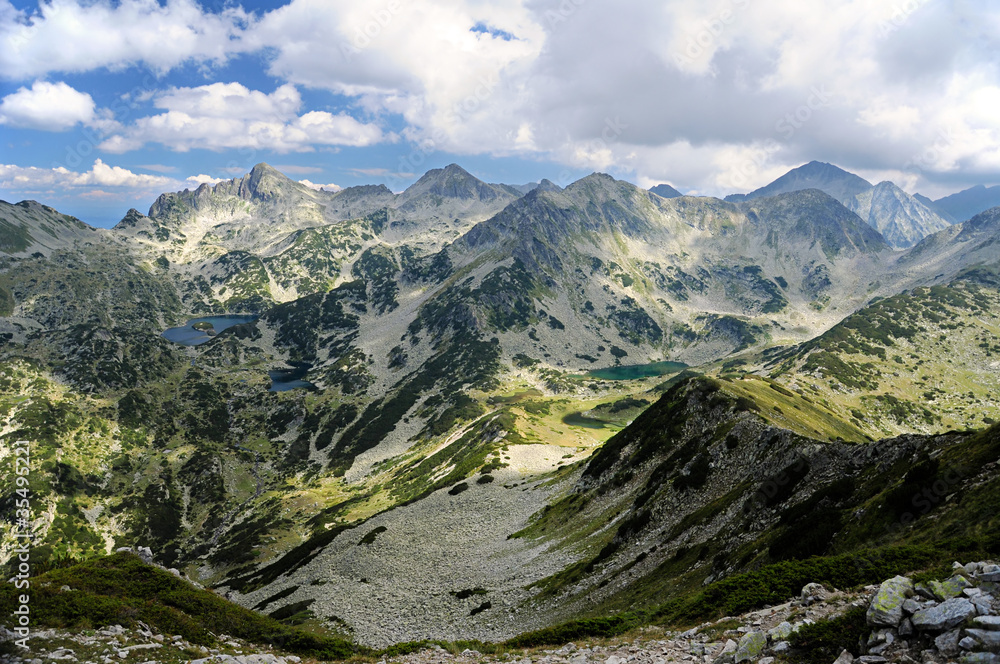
{"points": [[223, 116], [28, 180], [711, 95], [320, 187], [200, 179], [47, 106], [81, 35]]}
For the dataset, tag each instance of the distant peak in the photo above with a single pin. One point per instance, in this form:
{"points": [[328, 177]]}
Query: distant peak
{"points": [[665, 191], [263, 167], [131, 218], [548, 185]]}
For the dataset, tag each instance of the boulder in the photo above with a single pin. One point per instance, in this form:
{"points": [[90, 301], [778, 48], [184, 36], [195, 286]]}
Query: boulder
{"points": [[781, 632], [979, 658], [812, 593], [750, 647], [944, 616], [968, 643], [947, 643], [879, 640], [991, 640], [886, 609], [991, 623], [845, 658], [906, 628], [728, 654], [984, 604], [989, 573], [953, 587]]}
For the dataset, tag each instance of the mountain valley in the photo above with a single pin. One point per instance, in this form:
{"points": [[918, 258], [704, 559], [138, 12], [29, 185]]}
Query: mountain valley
{"points": [[520, 406]]}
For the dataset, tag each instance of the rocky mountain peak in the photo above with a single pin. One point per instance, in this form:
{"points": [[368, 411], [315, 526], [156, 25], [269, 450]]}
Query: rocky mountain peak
{"points": [[833, 180], [452, 181], [131, 218], [665, 191], [900, 217], [813, 215], [264, 182]]}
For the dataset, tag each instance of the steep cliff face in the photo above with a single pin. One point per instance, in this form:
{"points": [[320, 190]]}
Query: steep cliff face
{"points": [[899, 217]]}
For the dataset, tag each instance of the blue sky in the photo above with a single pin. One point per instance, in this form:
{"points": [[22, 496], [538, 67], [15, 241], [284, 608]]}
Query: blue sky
{"points": [[104, 105]]}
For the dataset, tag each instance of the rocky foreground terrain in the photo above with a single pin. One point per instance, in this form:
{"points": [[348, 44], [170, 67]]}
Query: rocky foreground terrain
{"points": [[955, 619]]}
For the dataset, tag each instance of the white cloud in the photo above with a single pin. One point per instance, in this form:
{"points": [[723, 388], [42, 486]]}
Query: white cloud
{"points": [[705, 94], [30, 180], [223, 116], [81, 35], [200, 179], [318, 187], [47, 106]]}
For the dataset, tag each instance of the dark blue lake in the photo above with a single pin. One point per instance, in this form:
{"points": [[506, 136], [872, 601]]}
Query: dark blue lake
{"points": [[186, 335], [578, 419], [283, 380], [634, 371]]}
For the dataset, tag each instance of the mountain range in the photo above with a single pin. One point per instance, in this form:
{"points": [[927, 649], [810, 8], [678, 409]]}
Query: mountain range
{"points": [[473, 410]]}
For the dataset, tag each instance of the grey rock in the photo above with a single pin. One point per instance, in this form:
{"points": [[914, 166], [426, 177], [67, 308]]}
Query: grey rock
{"points": [[906, 628], [145, 554], [765, 660], [728, 654], [947, 643], [911, 606], [812, 593], [953, 587], [751, 646], [871, 659], [845, 658], [983, 604], [780, 647], [991, 623], [991, 640], [972, 569], [780, 632], [886, 608], [924, 591], [989, 573], [879, 640], [979, 658], [944, 616], [968, 643]]}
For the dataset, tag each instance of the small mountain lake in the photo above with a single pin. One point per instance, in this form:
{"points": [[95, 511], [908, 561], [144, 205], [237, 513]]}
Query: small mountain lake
{"points": [[635, 371], [283, 380], [578, 419], [199, 330]]}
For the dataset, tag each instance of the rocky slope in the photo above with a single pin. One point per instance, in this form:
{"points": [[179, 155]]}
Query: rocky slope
{"points": [[899, 217]]}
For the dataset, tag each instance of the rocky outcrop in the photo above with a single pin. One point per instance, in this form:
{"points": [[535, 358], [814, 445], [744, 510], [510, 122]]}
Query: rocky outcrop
{"points": [[954, 619]]}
